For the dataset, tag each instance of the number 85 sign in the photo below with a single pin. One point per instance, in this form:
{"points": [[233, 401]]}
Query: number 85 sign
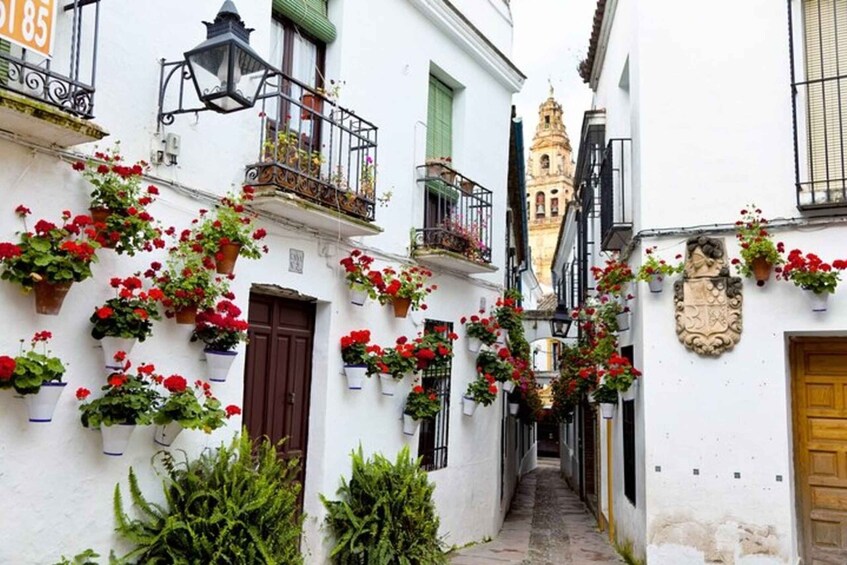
{"points": [[29, 23]]}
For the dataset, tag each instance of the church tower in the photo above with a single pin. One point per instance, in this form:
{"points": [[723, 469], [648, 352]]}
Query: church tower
{"points": [[549, 185]]}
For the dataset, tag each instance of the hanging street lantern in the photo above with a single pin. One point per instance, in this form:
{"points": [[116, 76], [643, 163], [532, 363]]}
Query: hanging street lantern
{"points": [[561, 322]]}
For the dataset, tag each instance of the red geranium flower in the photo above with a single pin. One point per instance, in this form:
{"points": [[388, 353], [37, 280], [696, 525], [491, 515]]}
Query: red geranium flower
{"points": [[232, 410], [7, 367], [175, 383], [82, 393], [104, 312]]}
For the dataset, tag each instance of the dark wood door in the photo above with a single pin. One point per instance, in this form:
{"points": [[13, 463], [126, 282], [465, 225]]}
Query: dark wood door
{"points": [[589, 455], [278, 372]]}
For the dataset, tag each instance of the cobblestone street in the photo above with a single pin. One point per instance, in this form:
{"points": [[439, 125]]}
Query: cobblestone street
{"points": [[547, 525]]}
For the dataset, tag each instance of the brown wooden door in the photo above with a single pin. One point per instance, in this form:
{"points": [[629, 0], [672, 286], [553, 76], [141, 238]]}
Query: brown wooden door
{"points": [[278, 372], [820, 448]]}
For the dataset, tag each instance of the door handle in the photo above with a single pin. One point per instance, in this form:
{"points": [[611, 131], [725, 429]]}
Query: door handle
{"points": [[291, 398]]}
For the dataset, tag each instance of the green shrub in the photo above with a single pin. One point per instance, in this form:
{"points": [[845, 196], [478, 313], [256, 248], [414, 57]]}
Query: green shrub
{"points": [[236, 505], [386, 515]]}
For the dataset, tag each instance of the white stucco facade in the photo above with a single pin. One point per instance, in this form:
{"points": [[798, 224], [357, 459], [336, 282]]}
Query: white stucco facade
{"points": [[706, 100], [57, 486]]}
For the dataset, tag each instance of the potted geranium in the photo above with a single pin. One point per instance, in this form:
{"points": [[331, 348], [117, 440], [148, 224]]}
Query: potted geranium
{"points": [[37, 376], [810, 273], [50, 258], [129, 400], [613, 279], [653, 270], [354, 352], [508, 314], [188, 408], [498, 365], [357, 267], [126, 318], [759, 254], [434, 348], [119, 204], [188, 282], [607, 398], [229, 232], [420, 404], [406, 289], [221, 329], [620, 375], [392, 364], [481, 390], [480, 331]]}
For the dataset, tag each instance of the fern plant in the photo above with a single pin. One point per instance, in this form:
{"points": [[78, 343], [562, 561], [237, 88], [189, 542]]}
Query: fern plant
{"points": [[385, 515], [236, 505]]}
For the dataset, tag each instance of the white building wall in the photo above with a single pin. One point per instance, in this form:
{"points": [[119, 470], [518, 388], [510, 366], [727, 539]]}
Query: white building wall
{"points": [[57, 471]]}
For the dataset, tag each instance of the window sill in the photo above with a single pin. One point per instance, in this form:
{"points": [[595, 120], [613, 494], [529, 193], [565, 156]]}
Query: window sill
{"points": [[44, 123]]}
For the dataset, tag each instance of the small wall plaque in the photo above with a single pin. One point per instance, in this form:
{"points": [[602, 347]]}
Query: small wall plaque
{"points": [[295, 261]]}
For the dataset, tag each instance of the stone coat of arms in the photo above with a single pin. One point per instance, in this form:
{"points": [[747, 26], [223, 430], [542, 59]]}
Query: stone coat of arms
{"points": [[707, 301]]}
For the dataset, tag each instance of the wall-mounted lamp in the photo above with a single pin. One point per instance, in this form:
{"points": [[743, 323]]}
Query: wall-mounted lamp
{"points": [[561, 322]]}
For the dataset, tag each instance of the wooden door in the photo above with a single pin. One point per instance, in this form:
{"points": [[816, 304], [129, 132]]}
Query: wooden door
{"points": [[819, 395], [278, 372]]}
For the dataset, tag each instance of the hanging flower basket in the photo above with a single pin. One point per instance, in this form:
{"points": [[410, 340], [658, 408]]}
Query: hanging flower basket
{"points": [[100, 216], [656, 283], [111, 345], [116, 438], [388, 384], [355, 376], [623, 321], [513, 408], [818, 301], [761, 268], [468, 406], [166, 434], [508, 386], [410, 425], [358, 297], [49, 296], [607, 410], [401, 306], [630, 393], [42, 404], [218, 364], [226, 257], [186, 316], [474, 344]]}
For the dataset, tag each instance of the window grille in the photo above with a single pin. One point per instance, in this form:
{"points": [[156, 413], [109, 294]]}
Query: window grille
{"points": [[432, 445]]}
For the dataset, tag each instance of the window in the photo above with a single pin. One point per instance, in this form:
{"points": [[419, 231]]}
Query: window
{"points": [[545, 163], [439, 120], [557, 352], [554, 207], [821, 137], [539, 205], [432, 445], [629, 438]]}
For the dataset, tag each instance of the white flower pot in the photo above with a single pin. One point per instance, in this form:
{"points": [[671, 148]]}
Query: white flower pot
{"points": [[468, 406], [165, 435], [112, 345], [410, 425], [42, 404], [623, 321], [501, 340], [116, 438], [630, 393], [513, 408], [218, 364], [818, 302], [355, 376], [508, 386], [607, 410], [474, 344], [656, 283], [388, 384], [358, 297]]}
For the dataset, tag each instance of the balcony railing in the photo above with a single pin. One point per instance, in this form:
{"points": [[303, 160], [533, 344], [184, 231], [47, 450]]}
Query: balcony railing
{"points": [[615, 196], [457, 214], [315, 149], [66, 80]]}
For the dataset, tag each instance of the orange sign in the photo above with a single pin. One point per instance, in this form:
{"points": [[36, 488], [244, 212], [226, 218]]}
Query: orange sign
{"points": [[29, 23]]}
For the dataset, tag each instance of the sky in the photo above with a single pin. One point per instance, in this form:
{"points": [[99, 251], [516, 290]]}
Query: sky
{"points": [[550, 39]]}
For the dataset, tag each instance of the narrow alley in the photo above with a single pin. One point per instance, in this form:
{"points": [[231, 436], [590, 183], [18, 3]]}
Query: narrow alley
{"points": [[547, 525]]}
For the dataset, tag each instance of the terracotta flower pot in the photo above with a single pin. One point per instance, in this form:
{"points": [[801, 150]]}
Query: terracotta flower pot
{"points": [[312, 102], [100, 215], [761, 270], [187, 315], [401, 306], [226, 257], [49, 296]]}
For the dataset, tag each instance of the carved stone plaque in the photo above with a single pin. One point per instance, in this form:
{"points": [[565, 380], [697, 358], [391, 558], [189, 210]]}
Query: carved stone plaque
{"points": [[707, 301]]}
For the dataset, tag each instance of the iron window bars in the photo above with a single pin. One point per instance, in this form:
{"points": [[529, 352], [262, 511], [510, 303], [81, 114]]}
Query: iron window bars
{"points": [[69, 88], [615, 205], [432, 444]]}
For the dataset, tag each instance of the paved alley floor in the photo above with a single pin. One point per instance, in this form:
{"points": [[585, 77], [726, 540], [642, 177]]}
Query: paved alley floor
{"points": [[547, 525]]}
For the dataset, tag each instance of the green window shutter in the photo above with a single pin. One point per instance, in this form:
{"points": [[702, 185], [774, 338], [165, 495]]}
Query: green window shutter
{"points": [[439, 122], [5, 47], [310, 15]]}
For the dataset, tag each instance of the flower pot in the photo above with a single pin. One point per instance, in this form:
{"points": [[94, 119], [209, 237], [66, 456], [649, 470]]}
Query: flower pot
{"points": [[607, 410], [468, 406], [388, 384], [467, 186], [112, 345], [310, 102], [630, 393], [761, 268], [818, 301], [355, 376], [100, 215], [49, 296], [410, 425], [116, 438], [513, 408], [401, 306], [187, 315], [42, 404], [501, 341], [165, 435], [623, 321], [656, 283], [474, 344], [358, 297], [226, 257], [218, 364], [508, 386]]}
